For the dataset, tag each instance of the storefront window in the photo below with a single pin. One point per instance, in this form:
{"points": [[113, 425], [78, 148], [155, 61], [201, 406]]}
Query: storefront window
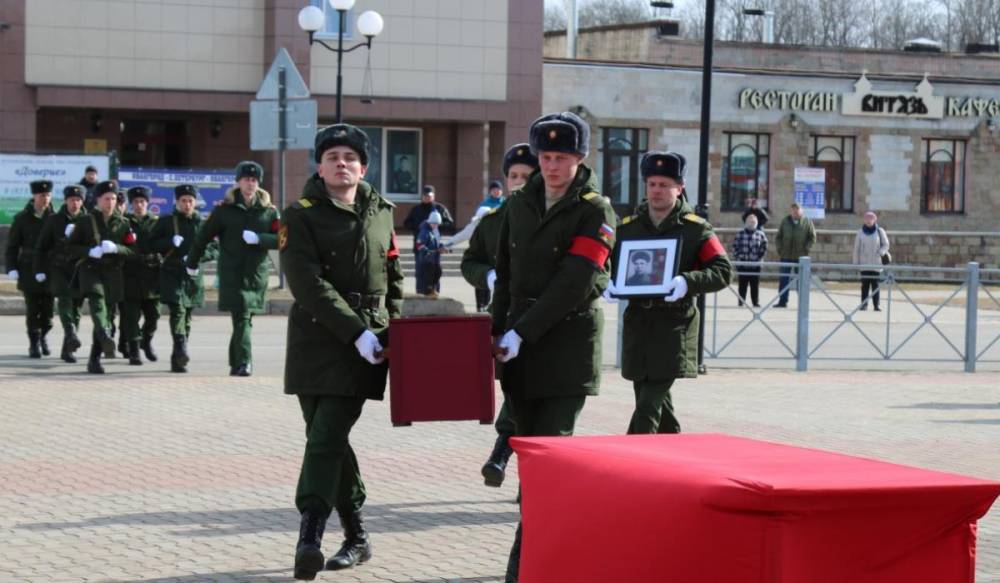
{"points": [[835, 154], [394, 170], [745, 170], [943, 172], [618, 160]]}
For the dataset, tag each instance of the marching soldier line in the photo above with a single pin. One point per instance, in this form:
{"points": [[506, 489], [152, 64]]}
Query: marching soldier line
{"points": [[546, 255]]}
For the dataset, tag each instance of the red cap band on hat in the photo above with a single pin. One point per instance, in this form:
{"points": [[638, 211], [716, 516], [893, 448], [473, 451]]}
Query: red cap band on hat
{"points": [[591, 250]]}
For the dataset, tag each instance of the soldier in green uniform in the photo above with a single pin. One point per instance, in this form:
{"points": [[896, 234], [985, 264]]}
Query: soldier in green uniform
{"points": [[341, 258], [101, 241], [479, 269], [180, 288], [552, 267], [246, 224], [25, 231], [53, 259], [116, 311], [660, 340], [142, 280]]}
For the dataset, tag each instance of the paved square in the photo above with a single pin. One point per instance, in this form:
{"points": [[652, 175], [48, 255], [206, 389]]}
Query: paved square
{"points": [[143, 475]]}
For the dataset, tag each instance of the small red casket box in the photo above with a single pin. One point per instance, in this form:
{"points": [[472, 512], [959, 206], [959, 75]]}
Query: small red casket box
{"points": [[441, 369]]}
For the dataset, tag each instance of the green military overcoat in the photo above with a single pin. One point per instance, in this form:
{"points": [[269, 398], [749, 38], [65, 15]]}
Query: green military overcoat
{"points": [[551, 268], [25, 231], [480, 257], [104, 276], [342, 266], [660, 339], [142, 270], [243, 268], [53, 256], [176, 286]]}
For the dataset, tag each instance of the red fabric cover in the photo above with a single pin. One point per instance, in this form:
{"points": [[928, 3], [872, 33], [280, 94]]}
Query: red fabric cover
{"points": [[441, 369], [275, 225], [590, 249], [716, 508], [710, 249]]}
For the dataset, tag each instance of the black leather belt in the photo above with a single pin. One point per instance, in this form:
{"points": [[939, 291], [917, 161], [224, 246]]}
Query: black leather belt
{"points": [[359, 301], [659, 304], [526, 302]]}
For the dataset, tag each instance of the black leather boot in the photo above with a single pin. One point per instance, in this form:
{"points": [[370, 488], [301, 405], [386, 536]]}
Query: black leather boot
{"points": [[72, 341], [356, 547], [34, 346], [308, 556], [133, 353], [495, 469], [67, 354], [106, 342], [44, 342], [123, 346], [514, 560], [179, 357], [147, 347], [94, 362]]}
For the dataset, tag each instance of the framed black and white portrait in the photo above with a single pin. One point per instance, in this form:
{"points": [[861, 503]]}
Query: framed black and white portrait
{"points": [[644, 267]]}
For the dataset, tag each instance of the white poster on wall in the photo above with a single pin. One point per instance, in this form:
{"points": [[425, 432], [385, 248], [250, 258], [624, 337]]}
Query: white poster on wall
{"points": [[18, 171], [810, 191]]}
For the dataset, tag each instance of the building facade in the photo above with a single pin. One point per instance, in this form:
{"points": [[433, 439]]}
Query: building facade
{"points": [[914, 137], [168, 83]]}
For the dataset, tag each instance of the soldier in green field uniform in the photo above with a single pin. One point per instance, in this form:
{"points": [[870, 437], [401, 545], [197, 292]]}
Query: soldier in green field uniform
{"points": [[142, 280], [53, 258], [660, 340], [339, 253], [479, 269], [25, 231], [100, 242], [246, 224], [180, 288], [552, 267]]}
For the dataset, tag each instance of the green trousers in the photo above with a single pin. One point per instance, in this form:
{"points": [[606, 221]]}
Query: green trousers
{"points": [[240, 351], [654, 410], [330, 477], [68, 308], [38, 311], [505, 421], [551, 416], [99, 312], [180, 320], [149, 309]]}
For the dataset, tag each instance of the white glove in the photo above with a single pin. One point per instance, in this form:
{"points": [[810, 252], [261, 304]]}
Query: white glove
{"points": [[491, 280], [69, 229], [108, 247], [511, 341], [610, 291], [40, 277], [96, 252], [250, 237], [677, 289], [191, 272], [13, 274], [177, 240], [368, 347]]}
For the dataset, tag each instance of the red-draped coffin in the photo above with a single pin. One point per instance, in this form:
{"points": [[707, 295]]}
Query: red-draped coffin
{"points": [[441, 369], [706, 508]]}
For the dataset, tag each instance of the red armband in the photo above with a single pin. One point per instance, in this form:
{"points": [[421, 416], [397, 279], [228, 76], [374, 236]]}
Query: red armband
{"points": [[393, 252], [591, 250], [710, 249], [275, 225]]}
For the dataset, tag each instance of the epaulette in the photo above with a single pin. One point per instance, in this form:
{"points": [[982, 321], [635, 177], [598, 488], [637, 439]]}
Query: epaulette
{"points": [[629, 219], [492, 211], [593, 197], [694, 219], [304, 203]]}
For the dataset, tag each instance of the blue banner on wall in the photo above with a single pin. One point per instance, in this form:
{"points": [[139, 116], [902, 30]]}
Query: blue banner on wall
{"points": [[212, 186]]}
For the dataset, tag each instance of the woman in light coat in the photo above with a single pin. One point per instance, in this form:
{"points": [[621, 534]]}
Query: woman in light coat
{"points": [[870, 246]]}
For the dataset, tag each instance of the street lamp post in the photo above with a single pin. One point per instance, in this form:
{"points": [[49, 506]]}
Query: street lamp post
{"points": [[706, 122], [370, 23]]}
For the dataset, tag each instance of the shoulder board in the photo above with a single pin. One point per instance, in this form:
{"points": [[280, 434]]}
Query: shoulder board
{"points": [[594, 197], [691, 217], [304, 203], [629, 219], [492, 211], [387, 202]]}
